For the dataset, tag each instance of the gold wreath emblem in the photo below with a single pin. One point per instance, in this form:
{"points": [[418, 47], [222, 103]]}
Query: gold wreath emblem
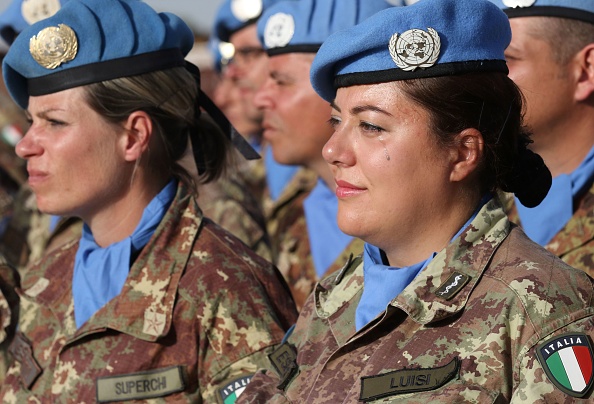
{"points": [[53, 46]]}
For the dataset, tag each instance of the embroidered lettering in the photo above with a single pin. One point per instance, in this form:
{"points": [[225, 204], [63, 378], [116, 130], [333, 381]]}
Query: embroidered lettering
{"points": [[142, 385]]}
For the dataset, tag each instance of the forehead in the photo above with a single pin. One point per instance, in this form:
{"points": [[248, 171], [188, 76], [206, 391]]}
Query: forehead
{"points": [[247, 36], [296, 64], [388, 97], [61, 100]]}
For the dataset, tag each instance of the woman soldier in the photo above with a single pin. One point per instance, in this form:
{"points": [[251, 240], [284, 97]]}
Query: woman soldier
{"points": [[154, 300], [450, 302]]}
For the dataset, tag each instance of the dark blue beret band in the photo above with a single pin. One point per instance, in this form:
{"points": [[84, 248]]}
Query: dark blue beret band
{"points": [[106, 70], [443, 69], [550, 11], [293, 49]]}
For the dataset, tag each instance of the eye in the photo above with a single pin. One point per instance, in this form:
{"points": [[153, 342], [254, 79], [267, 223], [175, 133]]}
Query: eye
{"points": [[55, 122], [368, 127], [333, 122]]}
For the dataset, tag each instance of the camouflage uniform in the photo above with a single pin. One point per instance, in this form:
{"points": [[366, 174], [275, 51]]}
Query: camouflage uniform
{"points": [[465, 330], [195, 318], [290, 241], [574, 244]]}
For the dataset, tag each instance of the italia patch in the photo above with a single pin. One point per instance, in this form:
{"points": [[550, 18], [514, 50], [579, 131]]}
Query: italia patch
{"points": [[567, 361], [233, 390]]}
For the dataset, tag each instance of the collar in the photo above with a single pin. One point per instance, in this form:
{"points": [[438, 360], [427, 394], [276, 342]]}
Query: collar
{"points": [[152, 291], [467, 255]]}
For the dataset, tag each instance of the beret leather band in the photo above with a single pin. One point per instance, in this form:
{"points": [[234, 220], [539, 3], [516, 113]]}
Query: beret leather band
{"points": [[105, 70], [293, 49], [443, 69], [550, 11]]}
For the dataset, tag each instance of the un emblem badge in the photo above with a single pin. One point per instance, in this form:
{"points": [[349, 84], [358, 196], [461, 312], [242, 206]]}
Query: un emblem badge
{"points": [[53, 46], [415, 48], [518, 3], [245, 10], [279, 30]]}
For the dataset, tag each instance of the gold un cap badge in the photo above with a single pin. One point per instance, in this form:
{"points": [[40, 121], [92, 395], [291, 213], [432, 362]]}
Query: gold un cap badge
{"points": [[53, 46]]}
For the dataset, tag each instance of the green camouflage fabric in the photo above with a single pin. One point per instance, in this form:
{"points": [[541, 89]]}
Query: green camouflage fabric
{"points": [[574, 243], [196, 317], [290, 241], [9, 279], [472, 319], [27, 238], [229, 203]]}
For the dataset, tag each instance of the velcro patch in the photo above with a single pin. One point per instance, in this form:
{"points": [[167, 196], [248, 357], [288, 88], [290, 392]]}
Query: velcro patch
{"points": [[141, 385], [407, 381], [568, 361], [284, 360], [452, 286], [21, 349], [233, 390]]}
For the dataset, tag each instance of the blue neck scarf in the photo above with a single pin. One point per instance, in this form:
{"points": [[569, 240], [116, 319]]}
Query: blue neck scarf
{"points": [[100, 273], [277, 175], [326, 240], [544, 221], [383, 283]]}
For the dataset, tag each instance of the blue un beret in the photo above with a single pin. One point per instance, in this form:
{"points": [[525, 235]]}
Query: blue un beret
{"points": [[582, 10], [302, 26], [21, 13], [89, 41], [234, 15], [427, 39]]}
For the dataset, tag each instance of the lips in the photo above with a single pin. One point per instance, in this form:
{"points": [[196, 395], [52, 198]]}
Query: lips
{"points": [[345, 189], [36, 177]]}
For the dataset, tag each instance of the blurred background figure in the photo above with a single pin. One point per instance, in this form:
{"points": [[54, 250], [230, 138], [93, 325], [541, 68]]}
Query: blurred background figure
{"points": [[551, 59], [295, 125]]}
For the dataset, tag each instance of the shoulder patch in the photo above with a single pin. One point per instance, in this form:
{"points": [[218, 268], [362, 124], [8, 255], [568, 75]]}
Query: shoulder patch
{"points": [[230, 392], [567, 361]]}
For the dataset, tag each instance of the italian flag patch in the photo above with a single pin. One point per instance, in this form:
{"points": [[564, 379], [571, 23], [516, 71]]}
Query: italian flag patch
{"points": [[567, 360], [233, 390]]}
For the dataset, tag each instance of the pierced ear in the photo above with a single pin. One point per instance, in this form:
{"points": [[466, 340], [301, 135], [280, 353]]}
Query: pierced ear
{"points": [[138, 132], [585, 63], [466, 155]]}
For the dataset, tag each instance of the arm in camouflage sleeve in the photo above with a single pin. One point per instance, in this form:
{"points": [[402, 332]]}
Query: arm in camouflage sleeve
{"points": [[9, 302]]}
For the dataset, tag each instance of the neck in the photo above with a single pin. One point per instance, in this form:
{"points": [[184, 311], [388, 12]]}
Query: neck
{"points": [[433, 235], [565, 146], [119, 219]]}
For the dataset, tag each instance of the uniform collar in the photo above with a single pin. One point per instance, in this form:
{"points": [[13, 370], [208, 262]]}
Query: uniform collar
{"points": [[468, 256], [144, 308]]}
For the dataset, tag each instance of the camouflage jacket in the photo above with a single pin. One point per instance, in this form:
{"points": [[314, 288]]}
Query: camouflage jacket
{"points": [[574, 243], [467, 329], [195, 318], [288, 230]]}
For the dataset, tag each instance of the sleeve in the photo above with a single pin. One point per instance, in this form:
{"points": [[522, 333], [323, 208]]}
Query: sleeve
{"points": [[559, 367]]}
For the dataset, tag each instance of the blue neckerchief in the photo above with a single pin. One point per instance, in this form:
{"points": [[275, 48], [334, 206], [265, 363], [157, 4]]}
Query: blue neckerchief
{"points": [[54, 220], [277, 175], [100, 273], [382, 283], [326, 239], [544, 221]]}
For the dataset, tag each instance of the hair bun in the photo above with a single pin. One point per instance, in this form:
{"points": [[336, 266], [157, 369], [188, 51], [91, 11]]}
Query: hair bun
{"points": [[530, 180]]}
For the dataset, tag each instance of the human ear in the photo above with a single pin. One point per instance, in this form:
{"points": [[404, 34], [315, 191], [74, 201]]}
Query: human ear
{"points": [[466, 154], [138, 131], [585, 63]]}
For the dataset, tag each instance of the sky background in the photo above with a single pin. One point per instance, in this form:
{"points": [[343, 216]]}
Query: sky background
{"points": [[198, 14]]}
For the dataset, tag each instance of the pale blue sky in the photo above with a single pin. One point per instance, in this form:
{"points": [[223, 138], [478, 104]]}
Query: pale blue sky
{"points": [[198, 14]]}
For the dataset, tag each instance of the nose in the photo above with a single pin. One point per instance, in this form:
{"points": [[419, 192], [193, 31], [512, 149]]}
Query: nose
{"points": [[28, 146], [262, 97], [336, 151]]}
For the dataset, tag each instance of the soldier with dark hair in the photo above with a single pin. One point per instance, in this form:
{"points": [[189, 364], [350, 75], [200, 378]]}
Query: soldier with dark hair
{"points": [[450, 302]]}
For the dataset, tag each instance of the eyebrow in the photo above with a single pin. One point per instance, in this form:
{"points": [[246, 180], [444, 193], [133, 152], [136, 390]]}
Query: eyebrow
{"points": [[43, 113], [362, 108]]}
